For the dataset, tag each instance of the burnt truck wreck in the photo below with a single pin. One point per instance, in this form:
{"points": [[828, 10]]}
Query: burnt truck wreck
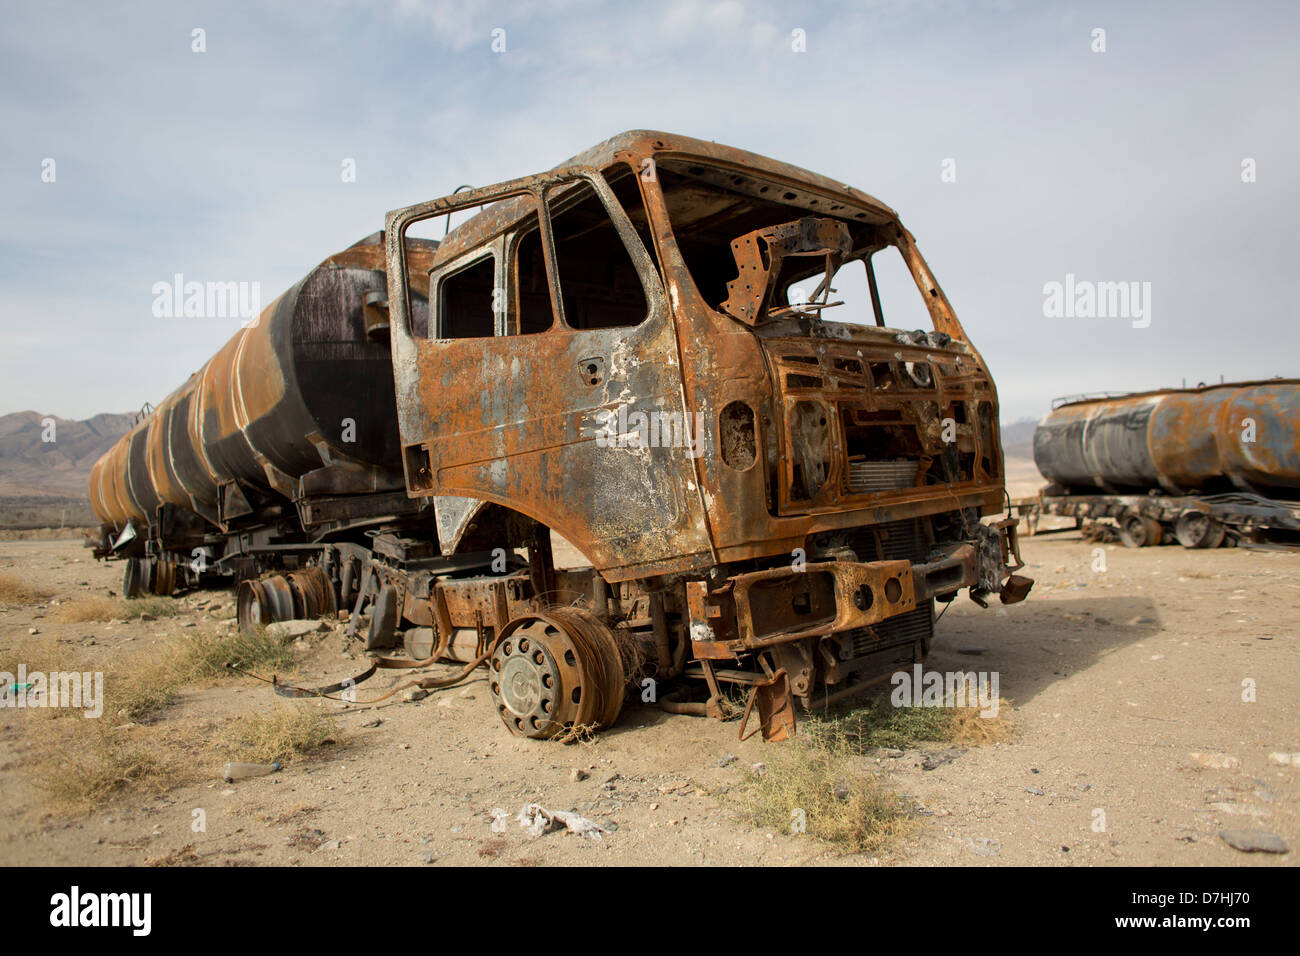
{"points": [[1211, 466], [632, 355]]}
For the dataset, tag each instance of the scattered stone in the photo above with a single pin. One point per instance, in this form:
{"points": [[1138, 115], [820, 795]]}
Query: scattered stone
{"points": [[429, 858], [189, 624], [938, 758], [33, 630], [1214, 761], [891, 753], [328, 845], [1142, 620], [1284, 759], [1254, 841], [726, 760], [1034, 790], [412, 694], [146, 617], [984, 846], [841, 790], [373, 723], [759, 768], [970, 651], [577, 775]]}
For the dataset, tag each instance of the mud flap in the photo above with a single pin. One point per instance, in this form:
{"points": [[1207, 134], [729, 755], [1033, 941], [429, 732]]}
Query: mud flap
{"points": [[1015, 589], [775, 709]]}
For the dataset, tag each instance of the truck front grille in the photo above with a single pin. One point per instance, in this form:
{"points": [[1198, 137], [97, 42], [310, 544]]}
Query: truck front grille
{"points": [[866, 476]]}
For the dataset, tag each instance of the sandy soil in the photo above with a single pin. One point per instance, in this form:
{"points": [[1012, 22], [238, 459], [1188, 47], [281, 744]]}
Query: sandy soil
{"points": [[1118, 677]]}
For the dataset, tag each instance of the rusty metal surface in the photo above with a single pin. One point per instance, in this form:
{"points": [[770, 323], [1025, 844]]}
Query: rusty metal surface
{"points": [[524, 437], [260, 415], [1177, 441], [796, 495]]}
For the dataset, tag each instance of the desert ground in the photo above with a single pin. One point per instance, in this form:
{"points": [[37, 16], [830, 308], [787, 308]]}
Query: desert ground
{"points": [[1136, 739]]}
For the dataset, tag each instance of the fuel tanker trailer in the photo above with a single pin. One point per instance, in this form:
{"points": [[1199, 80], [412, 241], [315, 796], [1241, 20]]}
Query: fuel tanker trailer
{"points": [[1207, 466], [633, 355]]}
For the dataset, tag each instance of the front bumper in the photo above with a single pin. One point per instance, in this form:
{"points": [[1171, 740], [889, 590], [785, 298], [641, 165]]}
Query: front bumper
{"points": [[759, 609]]}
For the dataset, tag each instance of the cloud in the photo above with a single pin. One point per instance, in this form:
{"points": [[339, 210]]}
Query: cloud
{"points": [[225, 165]]}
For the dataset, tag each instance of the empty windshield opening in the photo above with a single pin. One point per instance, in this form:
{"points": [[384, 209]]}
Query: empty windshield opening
{"points": [[710, 207], [849, 297]]}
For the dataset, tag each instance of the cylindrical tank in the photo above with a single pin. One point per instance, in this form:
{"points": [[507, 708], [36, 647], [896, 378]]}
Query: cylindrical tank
{"points": [[303, 390], [1243, 435]]}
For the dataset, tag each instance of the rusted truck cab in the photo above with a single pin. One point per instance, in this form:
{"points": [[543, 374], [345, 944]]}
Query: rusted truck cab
{"points": [[638, 352]]}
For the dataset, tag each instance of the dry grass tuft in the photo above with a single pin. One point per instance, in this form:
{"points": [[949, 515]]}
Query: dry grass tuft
{"points": [[101, 765], [279, 735], [80, 610], [821, 780], [15, 591], [817, 784], [82, 763]]}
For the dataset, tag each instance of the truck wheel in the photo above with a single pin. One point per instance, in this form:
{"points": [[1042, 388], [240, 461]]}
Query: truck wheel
{"points": [[1139, 531], [555, 671], [1195, 529]]}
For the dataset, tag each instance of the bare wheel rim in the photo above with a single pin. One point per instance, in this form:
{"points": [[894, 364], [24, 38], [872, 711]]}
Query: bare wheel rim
{"points": [[555, 670]]}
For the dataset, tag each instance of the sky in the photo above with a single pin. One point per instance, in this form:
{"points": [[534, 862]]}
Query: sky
{"points": [[1019, 144]]}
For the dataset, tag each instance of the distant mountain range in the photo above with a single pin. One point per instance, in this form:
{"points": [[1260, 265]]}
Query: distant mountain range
{"points": [[1018, 438], [43, 483]]}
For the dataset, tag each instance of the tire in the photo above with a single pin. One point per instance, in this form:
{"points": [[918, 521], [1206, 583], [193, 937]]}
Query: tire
{"points": [[1138, 531], [1195, 530]]}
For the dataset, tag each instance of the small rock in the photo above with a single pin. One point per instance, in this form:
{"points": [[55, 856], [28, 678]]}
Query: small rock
{"points": [[759, 768], [940, 757], [841, 790], [328, 845], [984, 846], [429, 858], [1254, 841], [412, 694], [726, 760], [1034, 790], [891, 753], [33, 630], [1284, 759], [577, 774], [1214, 761], [373, 723], [970, 651], [148, 617]]}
